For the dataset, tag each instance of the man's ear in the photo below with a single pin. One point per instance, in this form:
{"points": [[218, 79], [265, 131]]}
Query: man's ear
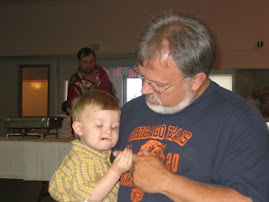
{"points": [[198, 80], [77, 127]]}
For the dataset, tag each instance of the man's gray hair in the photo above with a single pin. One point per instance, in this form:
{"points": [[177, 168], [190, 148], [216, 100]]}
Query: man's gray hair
{"points": [[190, 42]]}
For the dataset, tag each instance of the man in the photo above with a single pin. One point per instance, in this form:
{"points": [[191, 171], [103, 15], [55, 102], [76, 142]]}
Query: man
{"points": [[194, 140], [88, 76]]}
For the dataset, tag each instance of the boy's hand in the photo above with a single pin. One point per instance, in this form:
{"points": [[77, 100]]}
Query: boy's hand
{"points": [[123, 161]]}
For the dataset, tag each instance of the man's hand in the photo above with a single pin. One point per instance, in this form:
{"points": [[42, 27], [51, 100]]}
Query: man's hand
{"points": [[148, 172], [150, 175]]}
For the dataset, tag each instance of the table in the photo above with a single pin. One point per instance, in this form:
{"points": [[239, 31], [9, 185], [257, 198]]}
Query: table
{"points": [[32, 159]]}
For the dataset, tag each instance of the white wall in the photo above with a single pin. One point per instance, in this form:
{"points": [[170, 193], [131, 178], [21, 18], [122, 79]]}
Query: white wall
{"points": [[61, 27]]}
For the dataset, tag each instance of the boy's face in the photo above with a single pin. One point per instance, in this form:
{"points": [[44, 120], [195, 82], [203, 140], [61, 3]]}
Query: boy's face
{"points": [[98, 129]]}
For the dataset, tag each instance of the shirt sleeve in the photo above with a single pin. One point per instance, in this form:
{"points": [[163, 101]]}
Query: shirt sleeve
{"points": [[246, 160]]}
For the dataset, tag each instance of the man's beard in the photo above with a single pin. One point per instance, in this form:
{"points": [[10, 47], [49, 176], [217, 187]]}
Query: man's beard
{"points": [[88, 70], [158, 108]]}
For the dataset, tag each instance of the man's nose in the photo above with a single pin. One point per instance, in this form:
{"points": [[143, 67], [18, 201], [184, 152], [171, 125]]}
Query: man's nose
{"points": [[146, 88]]}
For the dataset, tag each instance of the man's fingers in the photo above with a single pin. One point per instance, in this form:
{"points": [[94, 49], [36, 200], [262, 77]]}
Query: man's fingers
{"points": [[135, 157], [146, 152]]}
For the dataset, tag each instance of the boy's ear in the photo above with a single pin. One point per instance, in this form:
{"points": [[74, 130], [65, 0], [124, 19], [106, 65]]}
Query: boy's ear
{"points": [[198, 80], [77, 127]]}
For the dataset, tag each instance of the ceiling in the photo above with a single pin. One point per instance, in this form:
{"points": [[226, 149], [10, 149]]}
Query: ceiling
{"points": [[16, 2]]}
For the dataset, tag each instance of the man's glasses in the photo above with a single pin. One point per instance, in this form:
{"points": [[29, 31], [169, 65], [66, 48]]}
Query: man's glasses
{"points": [[154, 85]]}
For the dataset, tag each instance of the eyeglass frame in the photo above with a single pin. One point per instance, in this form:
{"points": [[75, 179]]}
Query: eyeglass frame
{"points": [[154, 88]]}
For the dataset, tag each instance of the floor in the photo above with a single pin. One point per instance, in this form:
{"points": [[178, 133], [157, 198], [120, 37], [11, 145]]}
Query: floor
{"points": [[22, 191]]}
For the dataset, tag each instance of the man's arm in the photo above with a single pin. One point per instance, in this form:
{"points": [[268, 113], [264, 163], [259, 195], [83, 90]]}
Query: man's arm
{"points": [[71, 95], [150, 175], [106, 83]]}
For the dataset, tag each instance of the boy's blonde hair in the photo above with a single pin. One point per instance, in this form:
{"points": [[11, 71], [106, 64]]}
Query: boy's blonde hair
{"points": [[93, 99]]}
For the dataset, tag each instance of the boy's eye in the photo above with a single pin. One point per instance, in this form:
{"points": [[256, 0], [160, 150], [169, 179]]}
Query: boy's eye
{"points": [[115, 126], [99, 125]]}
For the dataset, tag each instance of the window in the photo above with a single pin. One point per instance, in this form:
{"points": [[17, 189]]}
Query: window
{"points": [[134, 86]]}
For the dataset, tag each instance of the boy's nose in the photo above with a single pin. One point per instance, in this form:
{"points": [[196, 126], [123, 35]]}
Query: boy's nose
{"points": [[107, 130]]}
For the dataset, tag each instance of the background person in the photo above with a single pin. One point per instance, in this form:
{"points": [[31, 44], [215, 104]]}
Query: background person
{"points": [[86, 172], [65, 130], [88, 76], [195, 140]]}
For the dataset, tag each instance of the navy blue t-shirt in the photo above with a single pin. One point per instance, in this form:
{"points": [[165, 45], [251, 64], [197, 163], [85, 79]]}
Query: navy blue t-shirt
{"points": [[219, 139]]}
